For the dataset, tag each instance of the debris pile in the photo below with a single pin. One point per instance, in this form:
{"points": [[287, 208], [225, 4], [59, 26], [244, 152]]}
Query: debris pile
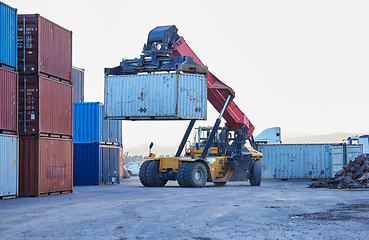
{"points": [[353, 175]]}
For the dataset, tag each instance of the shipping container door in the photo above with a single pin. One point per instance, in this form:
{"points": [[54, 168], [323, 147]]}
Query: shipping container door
{"points": [[114, 164], [337, 159], [105, 164], [8, 165], [352, 151], [192, 98]]}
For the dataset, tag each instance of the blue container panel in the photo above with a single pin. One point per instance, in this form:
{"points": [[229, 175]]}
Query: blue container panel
{"points": [[78, 82], [156, 96], [87, 122], [86, 164], [89, 126], [95, 164], [8, 37]]}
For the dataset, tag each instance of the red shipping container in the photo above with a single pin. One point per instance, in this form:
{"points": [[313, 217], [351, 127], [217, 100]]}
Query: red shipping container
{"points": [[45, 166], [44, 47], [8, 101], [45, 106]]}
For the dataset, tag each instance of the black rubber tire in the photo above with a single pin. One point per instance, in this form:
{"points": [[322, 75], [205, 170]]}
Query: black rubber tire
{"points": [[195, 175], [129, 172], [142, 173], [220, 184], [152, 175], [181, 174], [255, 177]]}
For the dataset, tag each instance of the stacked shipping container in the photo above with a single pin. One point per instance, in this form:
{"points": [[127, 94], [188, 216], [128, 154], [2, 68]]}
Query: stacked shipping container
{"points": [[45, 106], [9, 158], [97, 143]]}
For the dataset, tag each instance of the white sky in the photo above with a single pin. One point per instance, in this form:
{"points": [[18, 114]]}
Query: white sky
{"points": [[299, 65]]}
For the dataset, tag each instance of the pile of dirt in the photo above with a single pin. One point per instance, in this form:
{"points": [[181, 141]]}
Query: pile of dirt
{"points": [[353, 175]]}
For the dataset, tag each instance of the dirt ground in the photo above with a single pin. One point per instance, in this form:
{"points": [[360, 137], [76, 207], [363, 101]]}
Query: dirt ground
{"points": [[275, 210]]}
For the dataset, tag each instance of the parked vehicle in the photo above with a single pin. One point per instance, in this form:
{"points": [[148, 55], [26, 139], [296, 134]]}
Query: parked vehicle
{"points": [[133, 168]]}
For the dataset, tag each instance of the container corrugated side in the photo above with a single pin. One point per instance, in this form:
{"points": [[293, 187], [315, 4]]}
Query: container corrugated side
{"points": [[78, 82], [8, 165], [89, 126], [167, 96], [8, 37], [8, 101], [48, 106], [44, 47], [305, 161], [45, 166], [95, 164]]}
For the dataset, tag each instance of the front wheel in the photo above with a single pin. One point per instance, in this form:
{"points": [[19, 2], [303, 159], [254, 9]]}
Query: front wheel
{"points": [[196, 175], [255, 176]]}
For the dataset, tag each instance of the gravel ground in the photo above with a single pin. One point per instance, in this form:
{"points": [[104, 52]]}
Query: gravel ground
{"points": [[275, 210]]}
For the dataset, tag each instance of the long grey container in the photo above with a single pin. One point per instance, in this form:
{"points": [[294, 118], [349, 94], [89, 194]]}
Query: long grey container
{"points": [[8, 37], [303, 161], [78, 82], [168, 96], [9, 162], [89, 126]]}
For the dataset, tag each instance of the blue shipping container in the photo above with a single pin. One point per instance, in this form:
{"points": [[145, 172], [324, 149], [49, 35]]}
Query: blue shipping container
{"points": [[8, 37], [95, 164], [78, 82], [167, 96], [89, 126], [9, 162]]}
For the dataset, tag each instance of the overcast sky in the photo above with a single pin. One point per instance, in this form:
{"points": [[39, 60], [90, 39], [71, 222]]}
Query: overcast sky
{"points": [[299, 65]]}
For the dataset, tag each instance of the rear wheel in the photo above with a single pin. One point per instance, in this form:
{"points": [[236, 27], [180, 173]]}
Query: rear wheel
{"points": [[152, 175], [195, 174], [142, 173], [129, 172], [181, 174], [255, 177]]}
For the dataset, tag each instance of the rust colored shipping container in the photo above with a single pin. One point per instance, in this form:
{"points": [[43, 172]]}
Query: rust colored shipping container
{"points": [[45, 106], [45, 166], [8, 101], [44, 47]]}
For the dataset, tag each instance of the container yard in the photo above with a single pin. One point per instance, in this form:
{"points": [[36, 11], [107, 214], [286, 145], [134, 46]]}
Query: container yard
{"points": [[66, 131]]}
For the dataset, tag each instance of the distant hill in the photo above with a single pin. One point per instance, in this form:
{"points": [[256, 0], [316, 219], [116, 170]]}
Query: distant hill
{"points": [[287, 138]]}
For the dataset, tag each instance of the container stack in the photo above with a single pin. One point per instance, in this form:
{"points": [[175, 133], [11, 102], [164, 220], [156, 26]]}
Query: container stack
{"points": [[45, 107], [9, 158], [97, 144]]}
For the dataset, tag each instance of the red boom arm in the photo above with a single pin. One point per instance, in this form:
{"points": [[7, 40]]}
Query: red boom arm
{"points": [[217, 92]]}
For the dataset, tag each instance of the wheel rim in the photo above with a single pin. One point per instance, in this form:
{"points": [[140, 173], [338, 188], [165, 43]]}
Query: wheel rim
{"points": [[198, 176]]}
